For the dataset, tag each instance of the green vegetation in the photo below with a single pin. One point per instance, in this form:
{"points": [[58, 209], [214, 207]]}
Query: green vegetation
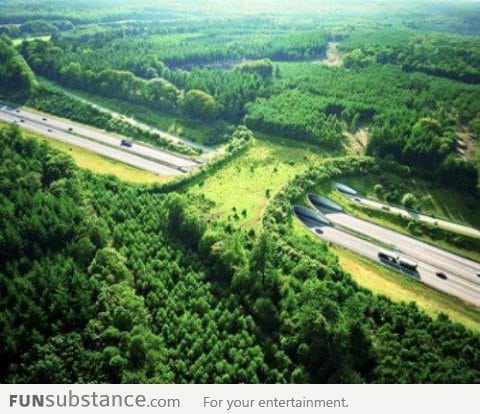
{"points": [[99, 164], [414, 120], [454, 57], [241, 190], [383, 281], [16, 78], [432, 199], [18, 41], [204, 133], [164, 298], [208, 277]]}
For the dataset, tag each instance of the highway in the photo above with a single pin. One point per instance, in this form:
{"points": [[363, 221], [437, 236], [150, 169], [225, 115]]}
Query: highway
{"points": [[461, 281], [132, 121], [101, 142], [448, 225], [409, 246], [94, 146]]}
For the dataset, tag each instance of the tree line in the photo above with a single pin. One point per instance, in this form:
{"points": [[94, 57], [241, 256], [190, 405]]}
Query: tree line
{"points": [[104, 281], [412, 117], [446, 55], [16, 77]]}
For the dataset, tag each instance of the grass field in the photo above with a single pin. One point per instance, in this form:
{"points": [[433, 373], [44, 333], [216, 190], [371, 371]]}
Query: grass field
{"points": [[248, 182], [99, 164], [399, 288]]}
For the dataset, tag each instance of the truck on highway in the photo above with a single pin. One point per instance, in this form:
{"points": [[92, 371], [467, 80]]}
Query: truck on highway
{"points": [[388, 256], [395, 259], [408, 264]]}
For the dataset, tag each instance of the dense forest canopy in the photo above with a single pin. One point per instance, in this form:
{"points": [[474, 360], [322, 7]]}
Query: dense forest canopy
{"points": [[124, 295], [102, 280]]}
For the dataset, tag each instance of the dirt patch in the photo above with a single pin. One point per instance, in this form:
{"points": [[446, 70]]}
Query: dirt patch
{"points": [[467, 146], [357, 142], [333, 56]]}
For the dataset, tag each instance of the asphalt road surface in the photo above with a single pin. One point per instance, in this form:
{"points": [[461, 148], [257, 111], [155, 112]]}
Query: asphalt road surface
{"points": [[417, 216], [133, 121], [410, 247], [59, 131], [78, 131], [456, 286], [461, 280]]}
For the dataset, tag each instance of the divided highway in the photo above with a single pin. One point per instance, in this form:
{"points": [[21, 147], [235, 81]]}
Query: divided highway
{"points": [[448, 225], [462, 280], [103, 143], [130, 120], [409, 246]]}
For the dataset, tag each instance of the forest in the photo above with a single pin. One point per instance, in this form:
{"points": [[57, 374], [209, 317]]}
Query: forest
{"points": [[106, 281], [142, 297], [229, 84], [453, 57]]}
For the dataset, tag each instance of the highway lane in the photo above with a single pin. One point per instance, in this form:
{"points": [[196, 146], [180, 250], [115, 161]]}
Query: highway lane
{"points": [[132, 121], [94, 146], [455, 286], [448, 225], [409, 246], [102, 137]]}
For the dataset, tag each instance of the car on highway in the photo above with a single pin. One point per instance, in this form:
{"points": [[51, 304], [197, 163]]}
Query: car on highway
{"points": [[22, 120], [70, 129], [357, 199], [318, 230], [17, 111], [44, 119], [386, 208], [478, 274], [126, 143], [441, 274], [49, 130]]}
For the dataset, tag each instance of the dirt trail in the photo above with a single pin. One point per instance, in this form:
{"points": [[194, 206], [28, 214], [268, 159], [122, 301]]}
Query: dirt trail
{"points": [[334, 56]]}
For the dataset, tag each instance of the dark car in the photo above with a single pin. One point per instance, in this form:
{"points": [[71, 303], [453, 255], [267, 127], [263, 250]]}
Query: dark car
{"points": [[44, 119], [70, 129], [49, 130], [22, 120], [386, 208], [478, 274], [441, 275], [318, 230], [125, 143]]}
